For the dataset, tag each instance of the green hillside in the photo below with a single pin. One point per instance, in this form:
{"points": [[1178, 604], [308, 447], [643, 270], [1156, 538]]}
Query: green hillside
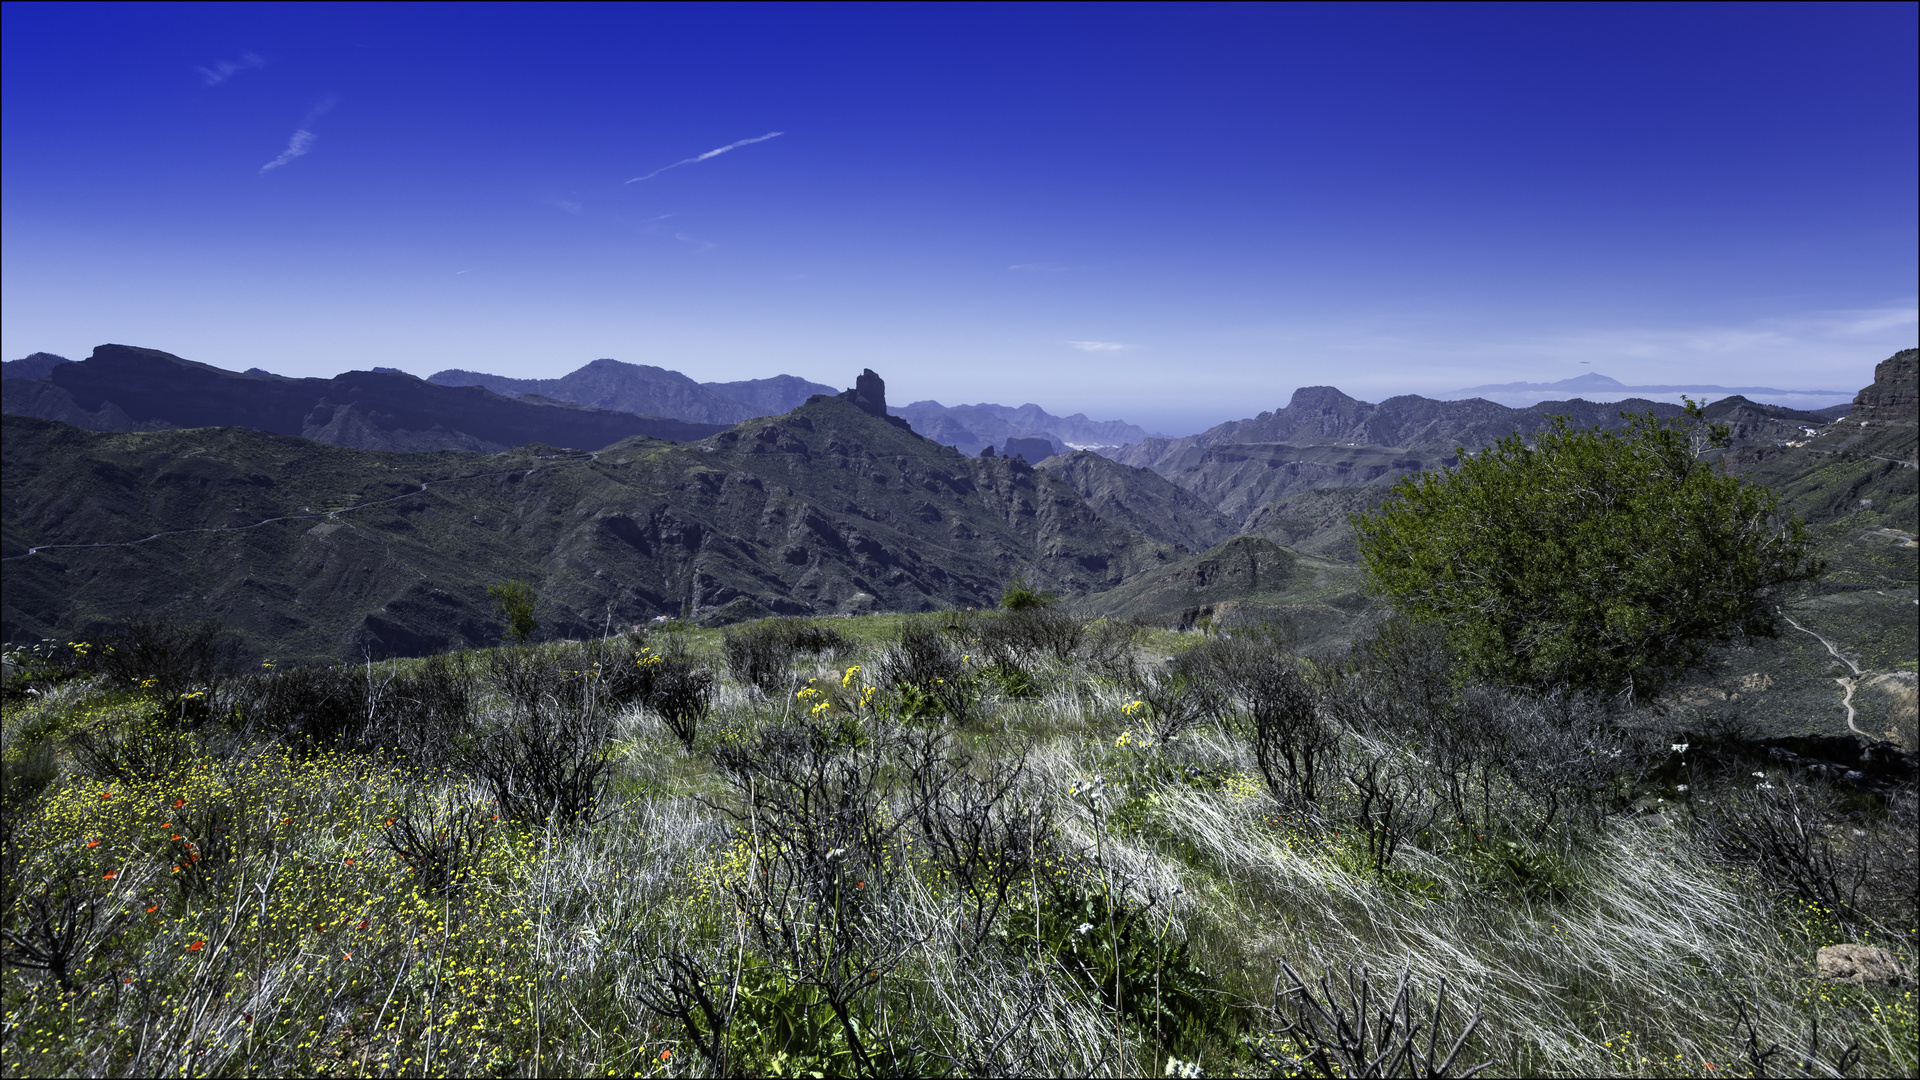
{"points": [[1141, 500], [1247, 580], [1845, 663], [324, 552]]}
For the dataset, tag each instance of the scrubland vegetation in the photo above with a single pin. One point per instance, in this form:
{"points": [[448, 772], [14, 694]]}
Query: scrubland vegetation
{"points": [[970, 843]]}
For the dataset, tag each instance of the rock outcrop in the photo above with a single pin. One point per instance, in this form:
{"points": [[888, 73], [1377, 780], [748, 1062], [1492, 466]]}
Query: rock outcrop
{"points": [[869, 395], [1863, 965], [1894, 397], [1031, 451]]}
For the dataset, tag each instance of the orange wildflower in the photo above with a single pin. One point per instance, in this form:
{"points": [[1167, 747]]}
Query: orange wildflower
{"points": [[196, 946]]}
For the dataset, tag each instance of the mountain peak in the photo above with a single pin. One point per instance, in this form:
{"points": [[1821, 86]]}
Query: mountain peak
{"points": [[36, 366], [869, 395], [1592, 380], [1321, 397]]}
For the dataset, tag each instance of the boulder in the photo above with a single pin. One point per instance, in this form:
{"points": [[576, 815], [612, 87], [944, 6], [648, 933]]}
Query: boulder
{"points": [[1865, 965]]}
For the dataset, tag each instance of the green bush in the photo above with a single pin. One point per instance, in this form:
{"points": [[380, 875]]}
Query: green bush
{"points": [[1018, 595], [1601, 560], [514, 601], [1132, 964]]}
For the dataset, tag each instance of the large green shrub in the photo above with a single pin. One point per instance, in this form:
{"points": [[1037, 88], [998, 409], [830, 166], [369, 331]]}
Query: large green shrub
{"points": [[1594, 560]]}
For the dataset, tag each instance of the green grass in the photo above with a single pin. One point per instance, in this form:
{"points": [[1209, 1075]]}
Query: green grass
{"points": [[251, 918]]}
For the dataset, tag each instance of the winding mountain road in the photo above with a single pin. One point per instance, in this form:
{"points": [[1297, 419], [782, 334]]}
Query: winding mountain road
{"points": [[1846, 683]]}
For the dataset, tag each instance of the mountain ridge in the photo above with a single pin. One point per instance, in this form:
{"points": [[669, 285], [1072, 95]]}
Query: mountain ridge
{"points": [[127, 388], [650, 391], [827, 509], [972, 428], [1593, 380], [1325, 438]]}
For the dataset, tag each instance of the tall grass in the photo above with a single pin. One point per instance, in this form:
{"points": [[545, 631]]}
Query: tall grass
{"points": [[245, 907]]}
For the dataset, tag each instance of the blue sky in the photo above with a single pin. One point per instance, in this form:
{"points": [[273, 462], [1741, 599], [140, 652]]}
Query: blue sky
{"points": [[1170, 214]]}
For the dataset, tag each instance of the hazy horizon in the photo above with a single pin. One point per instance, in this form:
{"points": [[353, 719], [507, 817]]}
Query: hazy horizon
{"points": [[1169, 215]]}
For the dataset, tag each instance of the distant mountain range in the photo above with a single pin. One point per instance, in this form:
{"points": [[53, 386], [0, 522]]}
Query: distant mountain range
{"points": [[1324, 438], [651, 391], [838, 505], [972, 428], [123, 388], [1595, 385], [642, 388]]}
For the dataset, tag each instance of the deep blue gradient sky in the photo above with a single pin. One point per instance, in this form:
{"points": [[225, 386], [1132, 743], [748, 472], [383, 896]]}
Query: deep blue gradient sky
{"points": [[1174, 215]]}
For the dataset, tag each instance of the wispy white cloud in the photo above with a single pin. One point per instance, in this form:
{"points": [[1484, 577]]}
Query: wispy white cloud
{"points": [[1873, 320], [302, 140], [1780, 342], [699, 245], [709, 154], [320, 108], [1099, 346], [297, 146], [222, 70]]}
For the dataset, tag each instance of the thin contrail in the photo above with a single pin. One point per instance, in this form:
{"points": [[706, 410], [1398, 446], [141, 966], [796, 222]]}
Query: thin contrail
{"points": [[708, 154]]}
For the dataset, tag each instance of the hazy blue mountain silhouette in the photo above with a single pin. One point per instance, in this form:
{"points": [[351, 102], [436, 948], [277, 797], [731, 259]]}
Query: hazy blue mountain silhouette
{"points": [[1593, 381], [124, 388]]}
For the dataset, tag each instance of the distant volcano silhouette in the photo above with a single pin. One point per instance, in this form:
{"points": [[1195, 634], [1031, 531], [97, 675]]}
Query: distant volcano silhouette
{"points": [[1594, 381]]}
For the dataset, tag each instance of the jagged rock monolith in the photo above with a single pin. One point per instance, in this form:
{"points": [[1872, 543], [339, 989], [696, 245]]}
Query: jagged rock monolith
{"points": [[869, 394]]}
